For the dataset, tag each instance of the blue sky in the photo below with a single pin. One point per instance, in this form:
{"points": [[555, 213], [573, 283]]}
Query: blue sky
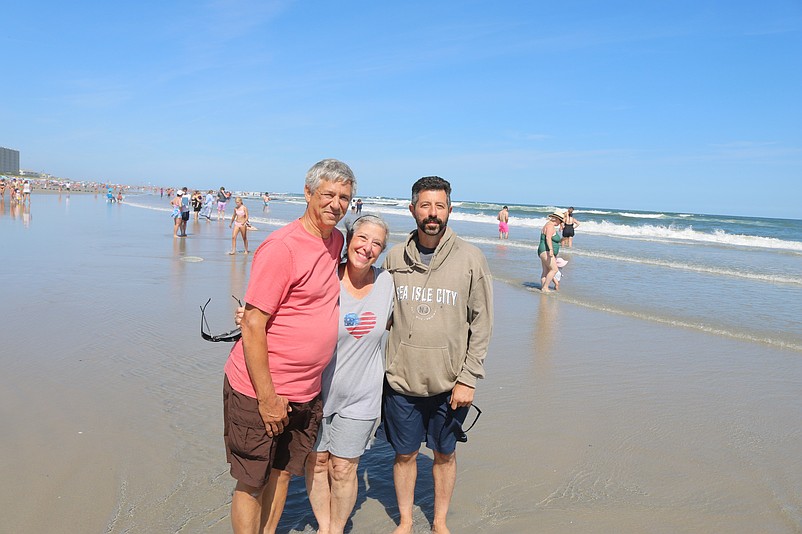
{"points": [[690, 106]]}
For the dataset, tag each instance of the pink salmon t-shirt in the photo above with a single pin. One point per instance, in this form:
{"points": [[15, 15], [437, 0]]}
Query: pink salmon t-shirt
{"points": [[294, 279]]}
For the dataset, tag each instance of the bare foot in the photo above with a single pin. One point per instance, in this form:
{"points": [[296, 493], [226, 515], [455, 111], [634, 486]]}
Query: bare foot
{"points": [[545, 290], [440, 529], [403, 528], [231, 253]]}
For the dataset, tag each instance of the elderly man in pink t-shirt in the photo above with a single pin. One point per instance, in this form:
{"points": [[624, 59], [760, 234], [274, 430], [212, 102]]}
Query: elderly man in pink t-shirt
{"points": [[271, 393]]}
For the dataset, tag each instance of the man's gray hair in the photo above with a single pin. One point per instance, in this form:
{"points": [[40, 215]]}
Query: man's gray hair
{"points": [[352, 227], [331, 170]]}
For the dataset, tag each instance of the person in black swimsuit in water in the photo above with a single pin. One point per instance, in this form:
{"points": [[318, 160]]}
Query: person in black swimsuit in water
{"points": [[568, 228]]}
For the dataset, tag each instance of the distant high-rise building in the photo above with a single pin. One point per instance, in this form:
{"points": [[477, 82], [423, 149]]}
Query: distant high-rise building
{"points": [[9, 160]]}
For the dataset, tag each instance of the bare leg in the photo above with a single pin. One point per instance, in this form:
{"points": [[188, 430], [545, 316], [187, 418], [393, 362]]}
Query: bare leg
{"points": [[342, 473], [444, 472], [405, 474], [318, 489], [544, 262], [550, 275], [273, 499], [246, 508], [245, 237], [234, 241]]}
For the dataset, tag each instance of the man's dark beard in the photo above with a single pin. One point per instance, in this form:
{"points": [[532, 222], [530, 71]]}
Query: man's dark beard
{"points": [[422, 225]]}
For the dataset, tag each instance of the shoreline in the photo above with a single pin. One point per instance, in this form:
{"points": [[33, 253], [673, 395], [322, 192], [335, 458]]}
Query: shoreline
{"points": [[592, 422]]}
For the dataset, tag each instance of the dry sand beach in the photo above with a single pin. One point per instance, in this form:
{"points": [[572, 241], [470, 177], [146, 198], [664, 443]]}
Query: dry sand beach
{"points": [[110, 402]]}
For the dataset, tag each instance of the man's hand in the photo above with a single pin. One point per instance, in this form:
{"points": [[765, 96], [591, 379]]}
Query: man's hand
{"points": [[461, 396], [238, 315], [274, 412]]}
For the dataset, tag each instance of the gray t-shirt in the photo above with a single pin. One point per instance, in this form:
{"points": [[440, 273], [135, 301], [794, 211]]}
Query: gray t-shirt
{"points": [[352, 382]]}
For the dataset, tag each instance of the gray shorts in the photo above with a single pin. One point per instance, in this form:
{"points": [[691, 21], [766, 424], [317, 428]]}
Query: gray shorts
{"points": [[344, 437]]}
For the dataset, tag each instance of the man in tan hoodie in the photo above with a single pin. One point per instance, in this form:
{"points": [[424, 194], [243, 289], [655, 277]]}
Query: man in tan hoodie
{"points": [[442, 322]]}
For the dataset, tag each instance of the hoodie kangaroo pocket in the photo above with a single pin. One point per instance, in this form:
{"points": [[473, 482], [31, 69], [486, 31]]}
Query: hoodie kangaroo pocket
{"points": [[422, 370]]}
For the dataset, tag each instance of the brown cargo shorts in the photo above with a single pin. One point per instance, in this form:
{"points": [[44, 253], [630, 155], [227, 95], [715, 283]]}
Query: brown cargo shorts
{"points": [[251, 452]]}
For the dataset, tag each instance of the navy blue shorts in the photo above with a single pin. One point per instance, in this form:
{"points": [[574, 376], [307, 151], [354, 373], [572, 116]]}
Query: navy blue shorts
{"points": [[409, 421]]}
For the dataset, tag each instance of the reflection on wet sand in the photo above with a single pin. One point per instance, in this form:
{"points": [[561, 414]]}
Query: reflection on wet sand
{"points": [[545, 331], [239, 276]]}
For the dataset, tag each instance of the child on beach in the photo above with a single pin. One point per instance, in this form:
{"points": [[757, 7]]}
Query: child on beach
{"points": [[559, 274], [239, 220]]}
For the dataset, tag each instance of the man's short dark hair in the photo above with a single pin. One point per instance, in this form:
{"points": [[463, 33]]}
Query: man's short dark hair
{"points": [[430, 183]]}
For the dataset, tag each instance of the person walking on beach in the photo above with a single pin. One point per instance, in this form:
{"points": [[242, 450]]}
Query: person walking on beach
{"points": [[271, 392], [442, 322], [503, 223], [548, 248], [239, 220], [222, 198], [208, 205], [568, 228]]}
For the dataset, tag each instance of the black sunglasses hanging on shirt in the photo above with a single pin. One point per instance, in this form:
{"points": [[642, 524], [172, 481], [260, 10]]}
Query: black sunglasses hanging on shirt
{"points": [[228, 337]]}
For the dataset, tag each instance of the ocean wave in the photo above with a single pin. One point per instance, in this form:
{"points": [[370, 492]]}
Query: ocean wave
{"points": [[652, 232], [384, 201], [645, 232], [708, 329], [642, 215], [147, 207], [714, 270], [697, 268], [594, 212]]}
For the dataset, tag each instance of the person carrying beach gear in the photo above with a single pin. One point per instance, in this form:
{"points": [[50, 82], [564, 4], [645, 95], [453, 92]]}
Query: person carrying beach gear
{"points": [[442, 323], [271, 392]]}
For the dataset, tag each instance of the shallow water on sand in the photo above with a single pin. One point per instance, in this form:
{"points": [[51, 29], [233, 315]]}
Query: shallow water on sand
{"points": [[592, 422]]}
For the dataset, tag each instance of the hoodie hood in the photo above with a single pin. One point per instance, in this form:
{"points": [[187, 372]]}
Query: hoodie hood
{"points": [[412, 254]]}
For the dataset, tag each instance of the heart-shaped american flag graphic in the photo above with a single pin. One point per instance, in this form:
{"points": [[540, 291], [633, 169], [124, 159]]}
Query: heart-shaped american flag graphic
{"points": [[359, 325]]}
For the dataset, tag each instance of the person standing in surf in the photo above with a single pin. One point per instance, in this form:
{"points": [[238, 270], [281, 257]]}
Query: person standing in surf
{"points": [[239, 220], [547, 250], [503, 223], [568, 228]]}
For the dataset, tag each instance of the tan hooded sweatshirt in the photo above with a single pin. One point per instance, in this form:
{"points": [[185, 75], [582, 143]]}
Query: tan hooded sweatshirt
{"points": [[443, 316]]}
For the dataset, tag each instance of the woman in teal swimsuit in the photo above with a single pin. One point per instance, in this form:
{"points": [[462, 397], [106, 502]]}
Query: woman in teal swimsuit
{"points": [[547, 250]]}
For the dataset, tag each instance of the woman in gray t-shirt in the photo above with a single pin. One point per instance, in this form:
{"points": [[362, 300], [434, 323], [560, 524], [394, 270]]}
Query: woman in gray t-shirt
{"points": [[352, 382]]}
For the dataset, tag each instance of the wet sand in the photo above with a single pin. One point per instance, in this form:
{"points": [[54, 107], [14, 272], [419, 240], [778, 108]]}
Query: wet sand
{"points": [[110, 402]]}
